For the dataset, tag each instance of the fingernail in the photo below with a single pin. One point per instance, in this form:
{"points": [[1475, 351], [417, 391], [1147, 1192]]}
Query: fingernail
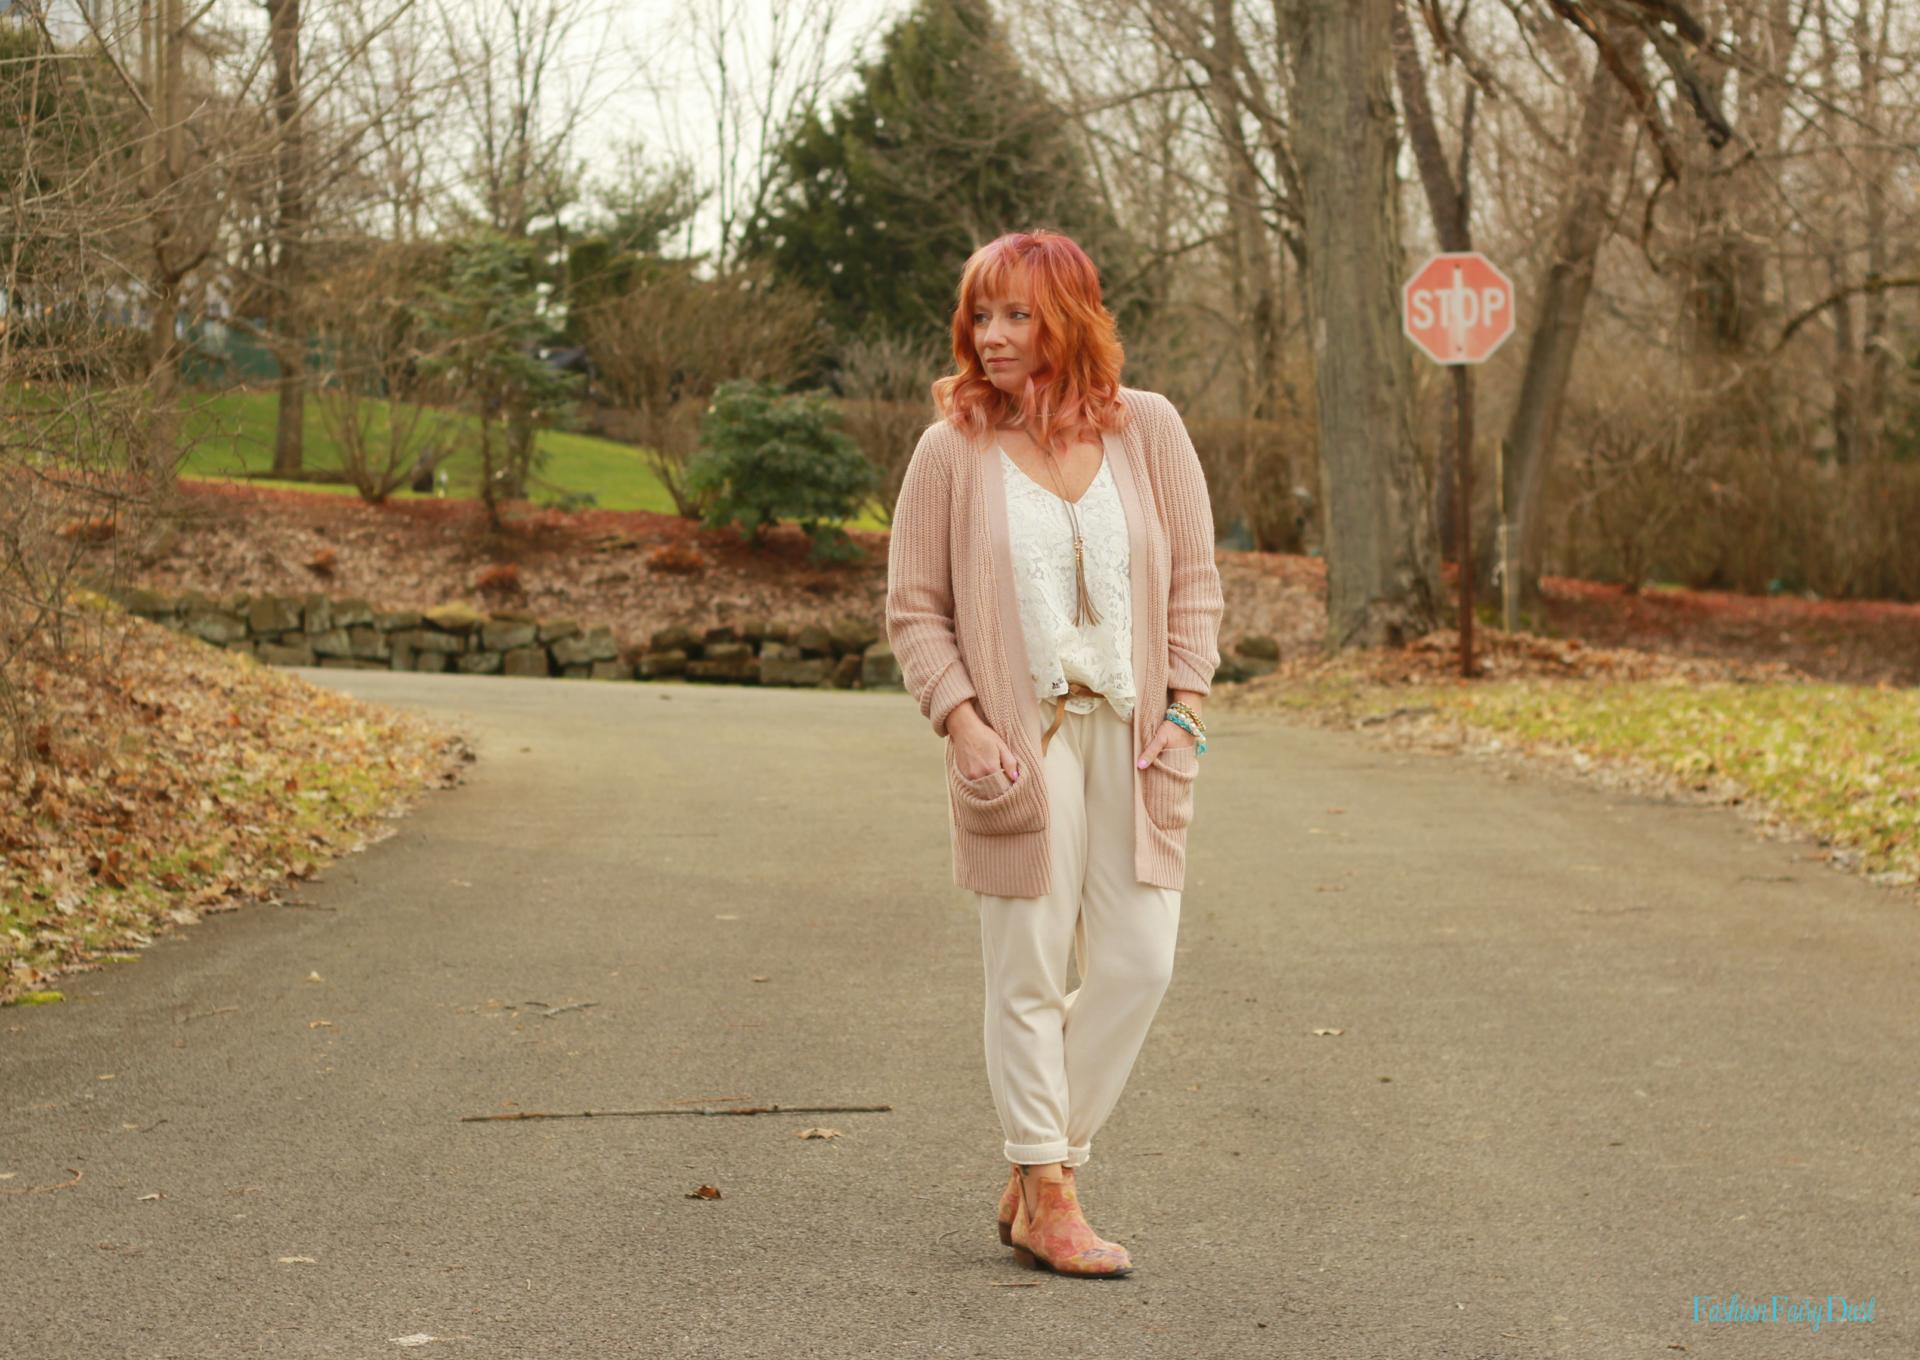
{"points": [[1141, 764]]}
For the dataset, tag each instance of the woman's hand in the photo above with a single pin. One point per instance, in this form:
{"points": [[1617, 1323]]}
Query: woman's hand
{"points": [[978, 750], [1171, 733]]}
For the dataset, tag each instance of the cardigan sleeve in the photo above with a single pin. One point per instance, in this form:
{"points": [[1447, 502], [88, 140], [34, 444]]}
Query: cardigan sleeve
{"points": [[920, 589], [1195, 601]]}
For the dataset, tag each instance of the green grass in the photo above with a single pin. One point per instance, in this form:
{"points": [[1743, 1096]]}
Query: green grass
{"points": [[230, 433], [1839, 761]]}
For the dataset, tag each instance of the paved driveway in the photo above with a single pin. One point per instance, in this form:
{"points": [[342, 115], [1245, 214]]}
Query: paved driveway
{"points": [[1599, 1056]]}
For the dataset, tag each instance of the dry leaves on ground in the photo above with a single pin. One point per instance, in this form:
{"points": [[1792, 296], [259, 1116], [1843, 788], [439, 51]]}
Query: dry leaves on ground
{"points": [[170, 778]]}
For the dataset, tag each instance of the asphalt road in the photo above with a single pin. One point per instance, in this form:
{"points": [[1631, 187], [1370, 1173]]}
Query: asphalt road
{"points": [[1600, 1057]]}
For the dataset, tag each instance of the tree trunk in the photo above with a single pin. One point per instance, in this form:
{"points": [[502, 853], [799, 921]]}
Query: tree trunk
{"points": [[1561, 306], [1871, 51], [289, 329], [1846, 386], [1256, 306], [1383, 584], [517, 464], [1447, 202], [162, 434], [163, 44]]}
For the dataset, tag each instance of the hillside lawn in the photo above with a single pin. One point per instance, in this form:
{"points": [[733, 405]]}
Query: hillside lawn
{"points": [[231, 433]]}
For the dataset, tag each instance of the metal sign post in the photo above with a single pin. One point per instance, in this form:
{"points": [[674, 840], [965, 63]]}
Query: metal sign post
{"points": [[1458, 308]]}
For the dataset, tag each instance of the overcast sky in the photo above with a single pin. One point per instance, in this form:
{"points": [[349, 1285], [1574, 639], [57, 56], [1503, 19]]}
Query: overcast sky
{"points": [[658, 92], [638, 62]]}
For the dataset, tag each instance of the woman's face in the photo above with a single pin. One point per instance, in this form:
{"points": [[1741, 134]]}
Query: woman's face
{"points": [[1003, 333]]}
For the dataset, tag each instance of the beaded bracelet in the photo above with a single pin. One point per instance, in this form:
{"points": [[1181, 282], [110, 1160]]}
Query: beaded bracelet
{"points": [[1179, 720], [1196, 719]]}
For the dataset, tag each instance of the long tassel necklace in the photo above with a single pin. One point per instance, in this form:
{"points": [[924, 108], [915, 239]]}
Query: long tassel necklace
{"points": [[1083, 602]]}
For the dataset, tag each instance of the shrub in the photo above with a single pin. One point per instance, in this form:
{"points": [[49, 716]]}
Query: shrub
{"points": [[765, 457], [666, 344]]}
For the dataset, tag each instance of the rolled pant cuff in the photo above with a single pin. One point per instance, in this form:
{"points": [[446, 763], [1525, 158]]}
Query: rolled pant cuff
{"points": [[1077, 1154], [1037, 1154]]}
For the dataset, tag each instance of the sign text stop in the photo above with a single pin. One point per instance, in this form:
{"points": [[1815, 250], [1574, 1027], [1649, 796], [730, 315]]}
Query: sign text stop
{"points": [[1458, 307]]}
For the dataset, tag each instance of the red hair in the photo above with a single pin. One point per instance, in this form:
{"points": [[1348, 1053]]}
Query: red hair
{"points": [[1076, 377]]}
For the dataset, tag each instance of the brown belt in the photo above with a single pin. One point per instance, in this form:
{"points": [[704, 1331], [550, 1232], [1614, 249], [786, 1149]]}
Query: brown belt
{"points": [[1075, 690]]}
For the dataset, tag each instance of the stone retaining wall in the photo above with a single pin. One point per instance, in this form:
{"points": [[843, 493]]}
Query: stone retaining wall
{"points": [[314, 629]]}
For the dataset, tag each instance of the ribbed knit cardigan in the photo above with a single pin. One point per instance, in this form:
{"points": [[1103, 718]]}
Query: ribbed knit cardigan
{"points": [[953, 622]]}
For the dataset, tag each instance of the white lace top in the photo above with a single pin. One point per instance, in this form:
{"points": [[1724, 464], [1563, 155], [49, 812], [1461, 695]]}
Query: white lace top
{"points": [[1098, 655]]}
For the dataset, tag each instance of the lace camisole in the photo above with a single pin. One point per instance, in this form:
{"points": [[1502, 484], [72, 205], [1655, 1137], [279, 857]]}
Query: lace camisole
{"points": [[1098, 655]]}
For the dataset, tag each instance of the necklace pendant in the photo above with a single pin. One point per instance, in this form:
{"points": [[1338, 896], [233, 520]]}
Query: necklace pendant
{"points": [[1083, 601]]}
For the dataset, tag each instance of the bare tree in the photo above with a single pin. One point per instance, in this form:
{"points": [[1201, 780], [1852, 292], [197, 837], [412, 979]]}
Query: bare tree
{"points": [[1448, 199], [367, 308], [762, 65], [289, 232], [404, 96], [1560, 310], [524, 106], [666, 345], [70, 374], [1382, 580]]}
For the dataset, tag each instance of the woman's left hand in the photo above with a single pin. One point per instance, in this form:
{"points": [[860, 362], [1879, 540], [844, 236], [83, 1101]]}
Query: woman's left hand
{"points": [[1171, 733]]}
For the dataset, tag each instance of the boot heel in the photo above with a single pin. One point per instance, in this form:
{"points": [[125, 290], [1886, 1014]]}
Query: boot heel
{"points": [[1025, 1258]]}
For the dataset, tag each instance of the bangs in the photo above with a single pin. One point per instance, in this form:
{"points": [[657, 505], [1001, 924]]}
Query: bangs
{"points": [[1001, 274]]}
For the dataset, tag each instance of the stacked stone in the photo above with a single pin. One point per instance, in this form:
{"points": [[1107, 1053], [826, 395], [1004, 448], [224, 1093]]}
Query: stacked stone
{"points": [[349, 634], [846, 654], [314, 630]]}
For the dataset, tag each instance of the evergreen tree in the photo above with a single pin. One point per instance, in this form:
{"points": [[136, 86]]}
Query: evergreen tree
{"points": [[946, 143]]}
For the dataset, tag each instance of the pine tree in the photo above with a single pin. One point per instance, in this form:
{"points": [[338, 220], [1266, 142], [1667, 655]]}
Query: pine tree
{"points": [[946, 143]]}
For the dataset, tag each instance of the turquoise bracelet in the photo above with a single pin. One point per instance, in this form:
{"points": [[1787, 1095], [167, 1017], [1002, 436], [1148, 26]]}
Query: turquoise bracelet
{"points": [[1179, 720]]}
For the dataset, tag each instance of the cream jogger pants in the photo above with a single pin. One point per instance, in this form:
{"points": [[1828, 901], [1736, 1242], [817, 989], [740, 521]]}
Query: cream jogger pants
{"points": [[1057, 1059]]}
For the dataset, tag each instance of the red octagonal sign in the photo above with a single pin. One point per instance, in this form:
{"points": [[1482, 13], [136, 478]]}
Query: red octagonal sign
{"points": [[1458, 308]]}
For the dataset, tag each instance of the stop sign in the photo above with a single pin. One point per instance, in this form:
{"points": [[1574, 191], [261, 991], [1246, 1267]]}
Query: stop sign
{"points": [[1458, 308]]}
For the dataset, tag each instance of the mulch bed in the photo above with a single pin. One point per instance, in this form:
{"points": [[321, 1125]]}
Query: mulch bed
{"points": [[594, 565]]}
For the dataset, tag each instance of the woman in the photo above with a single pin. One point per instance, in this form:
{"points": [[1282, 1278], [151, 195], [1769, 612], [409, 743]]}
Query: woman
{"points": [[1052, 548]]}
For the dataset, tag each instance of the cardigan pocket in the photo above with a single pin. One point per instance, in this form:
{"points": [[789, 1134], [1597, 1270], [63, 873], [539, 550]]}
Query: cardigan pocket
{"points": [[1167, 786], [994, 805]]}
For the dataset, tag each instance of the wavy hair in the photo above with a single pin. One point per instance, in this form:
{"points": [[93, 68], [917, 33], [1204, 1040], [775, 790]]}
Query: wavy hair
{"points": [[1076, 377]]}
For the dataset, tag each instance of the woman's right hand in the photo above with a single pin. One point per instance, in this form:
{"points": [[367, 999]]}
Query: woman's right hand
{"points": [[978, 750]]}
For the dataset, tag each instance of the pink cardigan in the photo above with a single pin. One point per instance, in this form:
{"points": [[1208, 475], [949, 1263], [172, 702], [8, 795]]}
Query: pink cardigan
{"points": [[954, 624]]}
